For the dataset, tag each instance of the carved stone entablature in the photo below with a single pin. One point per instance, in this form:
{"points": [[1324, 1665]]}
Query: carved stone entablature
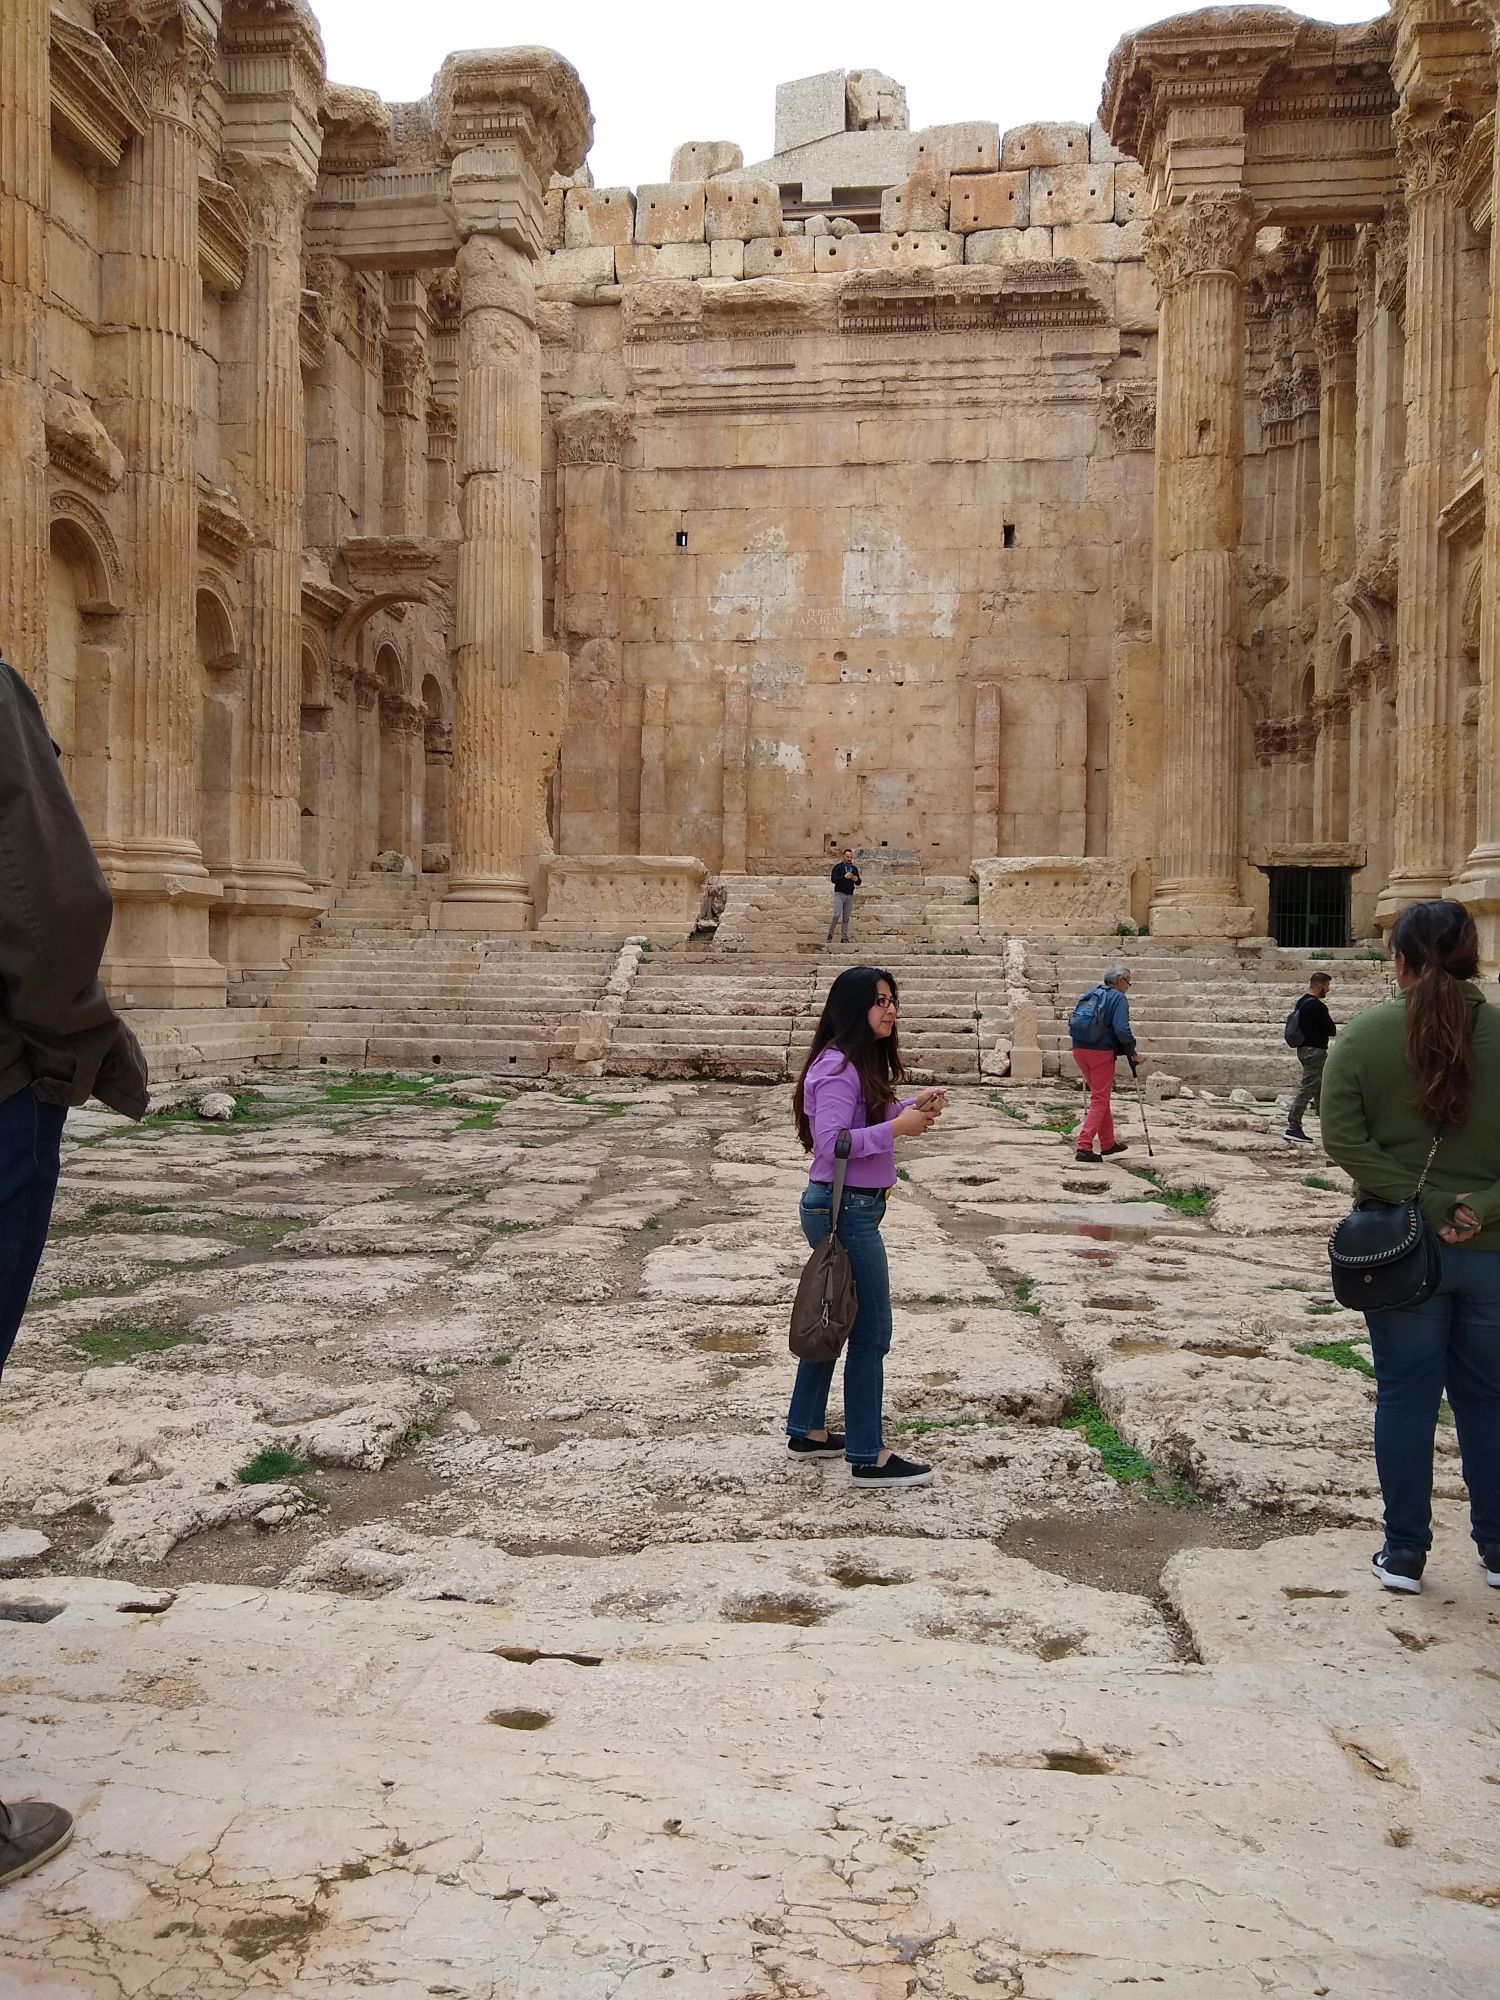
{"points": [[592, 433], [1130, 415], [270, 47], [1462, 520], [222, 532], [366, 691], [528, 103], [323, 602], [1209, 235], [162, 48], [1285, 736], [1048, 292], [1428, 150], [403, 379], [1475, 179], [356, 130], [79, 445], [223, 236], [96, 110], [1182, 61], [761, 307], [662, 312]]}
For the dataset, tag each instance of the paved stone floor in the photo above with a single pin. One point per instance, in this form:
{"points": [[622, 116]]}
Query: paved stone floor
{"points": [[408, 1586]]}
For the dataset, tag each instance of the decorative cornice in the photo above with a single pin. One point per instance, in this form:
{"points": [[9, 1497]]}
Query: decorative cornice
{"points": [[162, 48], [592, 433], [284, 31], [79, 445], [223, 235], [1208, 236], [520, 101], [1130, 415], [1463, 517], [96, 110], [356, 130], [222, 532]]}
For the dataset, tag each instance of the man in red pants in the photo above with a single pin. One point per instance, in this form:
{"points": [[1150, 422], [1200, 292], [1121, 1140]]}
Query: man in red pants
{"points": [[1099, 1028]]}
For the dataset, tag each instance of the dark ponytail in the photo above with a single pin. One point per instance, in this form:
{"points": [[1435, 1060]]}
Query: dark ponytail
{"points": [[1441, 948]]}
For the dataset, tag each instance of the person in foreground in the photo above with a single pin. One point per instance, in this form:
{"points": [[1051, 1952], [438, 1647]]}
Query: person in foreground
{"points": [[1099, 1030], [60, 1042], [1428, 1063], [848, 1083]]}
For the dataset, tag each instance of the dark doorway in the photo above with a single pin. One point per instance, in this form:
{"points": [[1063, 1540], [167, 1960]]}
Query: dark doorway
{"points": [[1310, 907]]}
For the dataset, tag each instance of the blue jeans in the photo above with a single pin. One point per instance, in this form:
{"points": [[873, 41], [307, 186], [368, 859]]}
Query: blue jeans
{"points": [[860, 1216], [30, 1143], [1452, 1341]]}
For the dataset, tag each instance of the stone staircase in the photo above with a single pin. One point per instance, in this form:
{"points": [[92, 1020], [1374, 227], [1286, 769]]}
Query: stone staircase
{"points": [[1211, 1017]]}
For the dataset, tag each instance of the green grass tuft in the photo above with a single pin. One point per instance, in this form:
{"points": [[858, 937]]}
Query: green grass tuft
{"points": [[114, 1346], [271, 1465], [1320, 1308], [1002, 1103], [1186, 1201], [1342, 1353], [1317, 1181], [1021, 1297], [1123, 1463]]}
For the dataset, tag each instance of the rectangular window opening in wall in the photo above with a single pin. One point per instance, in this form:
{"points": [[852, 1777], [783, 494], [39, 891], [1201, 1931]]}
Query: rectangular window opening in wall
{"points": [[1008, 535], [1310, 908]]}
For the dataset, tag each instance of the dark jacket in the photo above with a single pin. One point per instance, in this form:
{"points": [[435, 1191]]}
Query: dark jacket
{"points": [[845, 878], [1317, 1023], [1369, 1127], [57, 1030], [1111, 1027]]}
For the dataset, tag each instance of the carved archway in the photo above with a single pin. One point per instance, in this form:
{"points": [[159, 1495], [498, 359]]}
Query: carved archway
{"points": [[85, 593]]}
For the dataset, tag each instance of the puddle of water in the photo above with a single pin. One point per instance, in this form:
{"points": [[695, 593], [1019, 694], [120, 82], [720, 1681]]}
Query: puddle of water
{"points": [[519, 1718], [727, 1343]]}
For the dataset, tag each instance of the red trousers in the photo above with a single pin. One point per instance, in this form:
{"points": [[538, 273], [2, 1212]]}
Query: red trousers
{"points": [[1098, 1066]]}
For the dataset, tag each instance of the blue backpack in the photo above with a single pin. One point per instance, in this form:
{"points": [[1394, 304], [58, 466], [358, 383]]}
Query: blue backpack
{"points": [[1086, 1023]]}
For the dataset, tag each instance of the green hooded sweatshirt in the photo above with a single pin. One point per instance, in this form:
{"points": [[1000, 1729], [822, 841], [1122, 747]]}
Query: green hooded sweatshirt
{"points": [[1370, 1129]]}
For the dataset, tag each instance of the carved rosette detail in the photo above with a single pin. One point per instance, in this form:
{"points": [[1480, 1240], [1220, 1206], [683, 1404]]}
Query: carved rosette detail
{"points": [[1428, 150], [592, 434], [1210, 235], [162, 50], [1131, 417]]}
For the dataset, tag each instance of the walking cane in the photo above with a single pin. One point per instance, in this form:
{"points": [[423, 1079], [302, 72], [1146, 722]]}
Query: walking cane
{"points": [[1140, 1099]]}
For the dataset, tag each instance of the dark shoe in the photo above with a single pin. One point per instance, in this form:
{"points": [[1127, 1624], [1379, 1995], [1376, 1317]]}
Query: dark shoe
{"points": [[31, 1833], [1296, 1138], [1489, 1555], [1399, 1569], [895, 1472], [830, 1447], [1108, 1152], [1086, 1159]]}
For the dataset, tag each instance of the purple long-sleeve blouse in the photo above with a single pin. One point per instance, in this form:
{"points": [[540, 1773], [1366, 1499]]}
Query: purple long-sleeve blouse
{"points": [[834, 1103]]}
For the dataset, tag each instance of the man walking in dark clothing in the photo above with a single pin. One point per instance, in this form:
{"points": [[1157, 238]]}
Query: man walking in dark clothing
{"points": [[846, 879], [60, 1042], [1309, 1030]]}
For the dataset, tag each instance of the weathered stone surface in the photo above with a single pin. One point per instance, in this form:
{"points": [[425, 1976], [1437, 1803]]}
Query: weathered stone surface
{"points": [[958, 149], [701, 159], [741, 210], [1027, 146], [670, 212], [1008, 246], [921, 202], [1070, 194], [594, 216], [988, 201]]}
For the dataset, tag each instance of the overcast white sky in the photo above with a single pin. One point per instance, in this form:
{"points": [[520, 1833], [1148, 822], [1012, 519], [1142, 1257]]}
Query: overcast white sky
{"points": [[658, 72]]}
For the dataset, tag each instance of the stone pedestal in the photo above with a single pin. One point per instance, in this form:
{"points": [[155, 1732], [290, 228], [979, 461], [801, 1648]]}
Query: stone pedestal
{"points": [[1200, 253]]}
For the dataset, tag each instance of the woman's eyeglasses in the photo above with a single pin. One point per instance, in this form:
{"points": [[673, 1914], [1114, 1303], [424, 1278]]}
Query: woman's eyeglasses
{"points": [[885, 1000]]}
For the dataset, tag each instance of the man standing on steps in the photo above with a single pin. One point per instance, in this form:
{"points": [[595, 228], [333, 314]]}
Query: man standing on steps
{"points": [[60, 1042], [1309, 1030], [846, 879]]}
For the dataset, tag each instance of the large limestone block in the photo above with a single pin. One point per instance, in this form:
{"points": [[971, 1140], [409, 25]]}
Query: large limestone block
{"points": [[701, 159], [1046, 146], [726, 260], [1103, 148], [1007, 246], [741, 211], [786, 257], [920, 202], [1137, 307], [874, 101], [637, 261], [1072, 194], [811, 108], [1100, 242], [927, 251], [988, 201], [1132, 196], [1052, 894], [553, 222], [594, 895], [595, 266], [592, 216], [669, 212], [958, 149]]}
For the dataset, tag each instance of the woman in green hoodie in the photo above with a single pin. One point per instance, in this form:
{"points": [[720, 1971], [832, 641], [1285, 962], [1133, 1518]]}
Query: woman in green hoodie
{"points": [[1428, 1063]]}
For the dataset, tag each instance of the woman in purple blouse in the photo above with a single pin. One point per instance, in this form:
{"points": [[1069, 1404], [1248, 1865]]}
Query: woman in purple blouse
{"points": [[848, 1083]]}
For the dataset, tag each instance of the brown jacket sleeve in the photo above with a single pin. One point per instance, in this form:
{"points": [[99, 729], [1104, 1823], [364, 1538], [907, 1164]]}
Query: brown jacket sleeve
{"points": [[54, 920]]}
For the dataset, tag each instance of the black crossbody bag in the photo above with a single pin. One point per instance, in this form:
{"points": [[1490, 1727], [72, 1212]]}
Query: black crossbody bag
{"points": [[1384, 1254]]}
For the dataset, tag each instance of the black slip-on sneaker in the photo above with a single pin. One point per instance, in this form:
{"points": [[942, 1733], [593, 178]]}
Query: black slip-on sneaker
{"points": [[1489, 1556], [1296, 1138], [31, 1833], [1109, 1152], [1086, 1159], [1399, 1569], [830, 1447], [896, 1471]]}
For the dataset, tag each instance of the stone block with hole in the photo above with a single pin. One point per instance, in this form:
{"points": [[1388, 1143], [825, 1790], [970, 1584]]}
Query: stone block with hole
{"points": [[1099, 242], [919, 202], [577, 267], [594, 216], [670, 212], [1045, 145], [741, 211], [924, 250], [1007, 246], [1132, 194], [785, 257], [988, 201], [701, 159], [726, 260], [1072, 194], [637, 261], [972, 148]]}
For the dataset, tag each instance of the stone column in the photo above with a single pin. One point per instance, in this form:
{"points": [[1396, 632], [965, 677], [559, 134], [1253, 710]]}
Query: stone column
{"points": [[1200, 252], [591, 440], [406, 383], [1479, 885], [265, 893], [158, 952], [25, 175], [508, 119], [1338, 442], [1426, 692]]}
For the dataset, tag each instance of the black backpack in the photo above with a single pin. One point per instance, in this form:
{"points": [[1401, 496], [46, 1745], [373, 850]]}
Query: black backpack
{"points": [[1295, 1039]]}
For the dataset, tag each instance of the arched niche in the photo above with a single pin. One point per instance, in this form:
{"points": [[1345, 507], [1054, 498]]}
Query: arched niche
{"points": [[221, 762], [396, 833], [319, 750], [437, 753], [84, 596]]}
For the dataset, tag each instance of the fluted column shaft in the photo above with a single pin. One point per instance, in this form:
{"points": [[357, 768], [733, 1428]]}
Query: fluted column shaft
{"points": [[1337, 448], [1426, 693], [1200, 253], [498, 613], [267, 425], [25, 157]]}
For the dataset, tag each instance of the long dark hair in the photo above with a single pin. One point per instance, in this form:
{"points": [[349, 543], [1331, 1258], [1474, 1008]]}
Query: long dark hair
{"points": [[845, 1024], [1441, 947]]}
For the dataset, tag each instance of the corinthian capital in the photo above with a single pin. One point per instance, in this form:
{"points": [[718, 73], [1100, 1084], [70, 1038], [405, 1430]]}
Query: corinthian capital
{"points": [[275, 193], [527, 104], [1208, 235], [161, 48], [1428, 149], [592, 433]]}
